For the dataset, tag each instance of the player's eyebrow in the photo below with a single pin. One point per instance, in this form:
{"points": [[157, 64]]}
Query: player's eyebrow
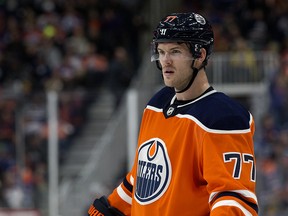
{"points": [[172, 48]]}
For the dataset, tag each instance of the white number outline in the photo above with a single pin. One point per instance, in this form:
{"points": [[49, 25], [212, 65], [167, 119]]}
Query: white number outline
{"points": [[228, 157], [247, 158]]}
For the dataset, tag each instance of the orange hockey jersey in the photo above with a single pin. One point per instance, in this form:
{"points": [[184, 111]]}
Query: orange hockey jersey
{"points": [[194, 158]]}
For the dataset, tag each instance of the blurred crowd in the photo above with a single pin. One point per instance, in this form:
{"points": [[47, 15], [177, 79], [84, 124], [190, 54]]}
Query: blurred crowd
{"points": [[64, 44], [80, 46], [75, 48], [272, 148], [259, 24]]}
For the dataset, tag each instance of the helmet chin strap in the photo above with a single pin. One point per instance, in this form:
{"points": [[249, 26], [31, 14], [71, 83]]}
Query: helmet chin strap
{"points": [[195, 72]]}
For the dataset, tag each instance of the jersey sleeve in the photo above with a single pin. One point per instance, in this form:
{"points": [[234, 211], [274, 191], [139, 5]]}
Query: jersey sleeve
{"points": [[121, 197], [230, 173]]}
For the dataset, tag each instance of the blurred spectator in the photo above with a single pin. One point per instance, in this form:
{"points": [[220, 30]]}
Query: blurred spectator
{"points": [[12, 191], [95, 66], [243, 61], [269, 185], [258, 29], [78, 43], [279, 91], [120, 73]]}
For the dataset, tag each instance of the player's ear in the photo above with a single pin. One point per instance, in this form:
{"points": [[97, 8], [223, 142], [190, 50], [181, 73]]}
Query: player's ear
{"points": [[203, 54]]}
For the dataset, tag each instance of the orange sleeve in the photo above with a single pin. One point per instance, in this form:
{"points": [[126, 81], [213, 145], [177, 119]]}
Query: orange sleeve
{"points": [[121, 197], [231, 206], [229, 169]]}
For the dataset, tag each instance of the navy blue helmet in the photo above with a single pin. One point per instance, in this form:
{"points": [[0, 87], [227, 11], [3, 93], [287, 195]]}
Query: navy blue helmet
{"points": [[190, 28]]}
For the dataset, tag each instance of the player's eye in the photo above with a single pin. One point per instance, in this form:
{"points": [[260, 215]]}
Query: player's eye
{"points": [[176, 51], [161, 52]]}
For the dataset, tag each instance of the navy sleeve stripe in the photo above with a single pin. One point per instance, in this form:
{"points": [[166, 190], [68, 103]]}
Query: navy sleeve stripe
{"points": [[127, 185], [226, 193]]}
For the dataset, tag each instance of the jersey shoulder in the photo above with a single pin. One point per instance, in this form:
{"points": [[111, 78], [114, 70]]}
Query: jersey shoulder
{"points": [[221, 112], [215, 110]]}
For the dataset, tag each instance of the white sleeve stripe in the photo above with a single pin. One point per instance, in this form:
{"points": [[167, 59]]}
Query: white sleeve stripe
{"points": [[131, 180], [245, 193], [231, 203], [124, 196]]}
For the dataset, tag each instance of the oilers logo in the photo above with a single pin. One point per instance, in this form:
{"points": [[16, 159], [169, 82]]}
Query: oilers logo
{"points": [[153, 171]]}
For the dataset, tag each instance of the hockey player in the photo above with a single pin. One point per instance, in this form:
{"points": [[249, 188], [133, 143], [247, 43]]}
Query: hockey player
{"points": [[195, 152]]}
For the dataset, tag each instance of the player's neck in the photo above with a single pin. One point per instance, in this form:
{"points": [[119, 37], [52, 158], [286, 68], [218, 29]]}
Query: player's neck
{"points": [[198, 87]]}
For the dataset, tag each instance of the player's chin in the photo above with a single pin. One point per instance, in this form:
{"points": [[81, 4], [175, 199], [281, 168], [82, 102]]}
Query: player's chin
{"points": [[168, 83]]}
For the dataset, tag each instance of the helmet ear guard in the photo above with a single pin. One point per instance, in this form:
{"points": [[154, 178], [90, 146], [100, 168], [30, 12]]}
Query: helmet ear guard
{"points": [[195, 50]]}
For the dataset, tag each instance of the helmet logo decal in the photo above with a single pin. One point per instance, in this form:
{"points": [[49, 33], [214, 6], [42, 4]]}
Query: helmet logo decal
{"points": [[163, 31], [200, 19], [170, 18]]}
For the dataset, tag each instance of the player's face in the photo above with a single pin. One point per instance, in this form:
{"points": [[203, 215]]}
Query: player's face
{"points": [[176, 61]]}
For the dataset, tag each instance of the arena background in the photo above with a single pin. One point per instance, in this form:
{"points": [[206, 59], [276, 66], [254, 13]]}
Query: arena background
{"points": [[75, 77]]}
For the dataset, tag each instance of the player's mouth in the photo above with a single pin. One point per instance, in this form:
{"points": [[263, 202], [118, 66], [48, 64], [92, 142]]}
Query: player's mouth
{"points": [[168, 74], [168, 71]]}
